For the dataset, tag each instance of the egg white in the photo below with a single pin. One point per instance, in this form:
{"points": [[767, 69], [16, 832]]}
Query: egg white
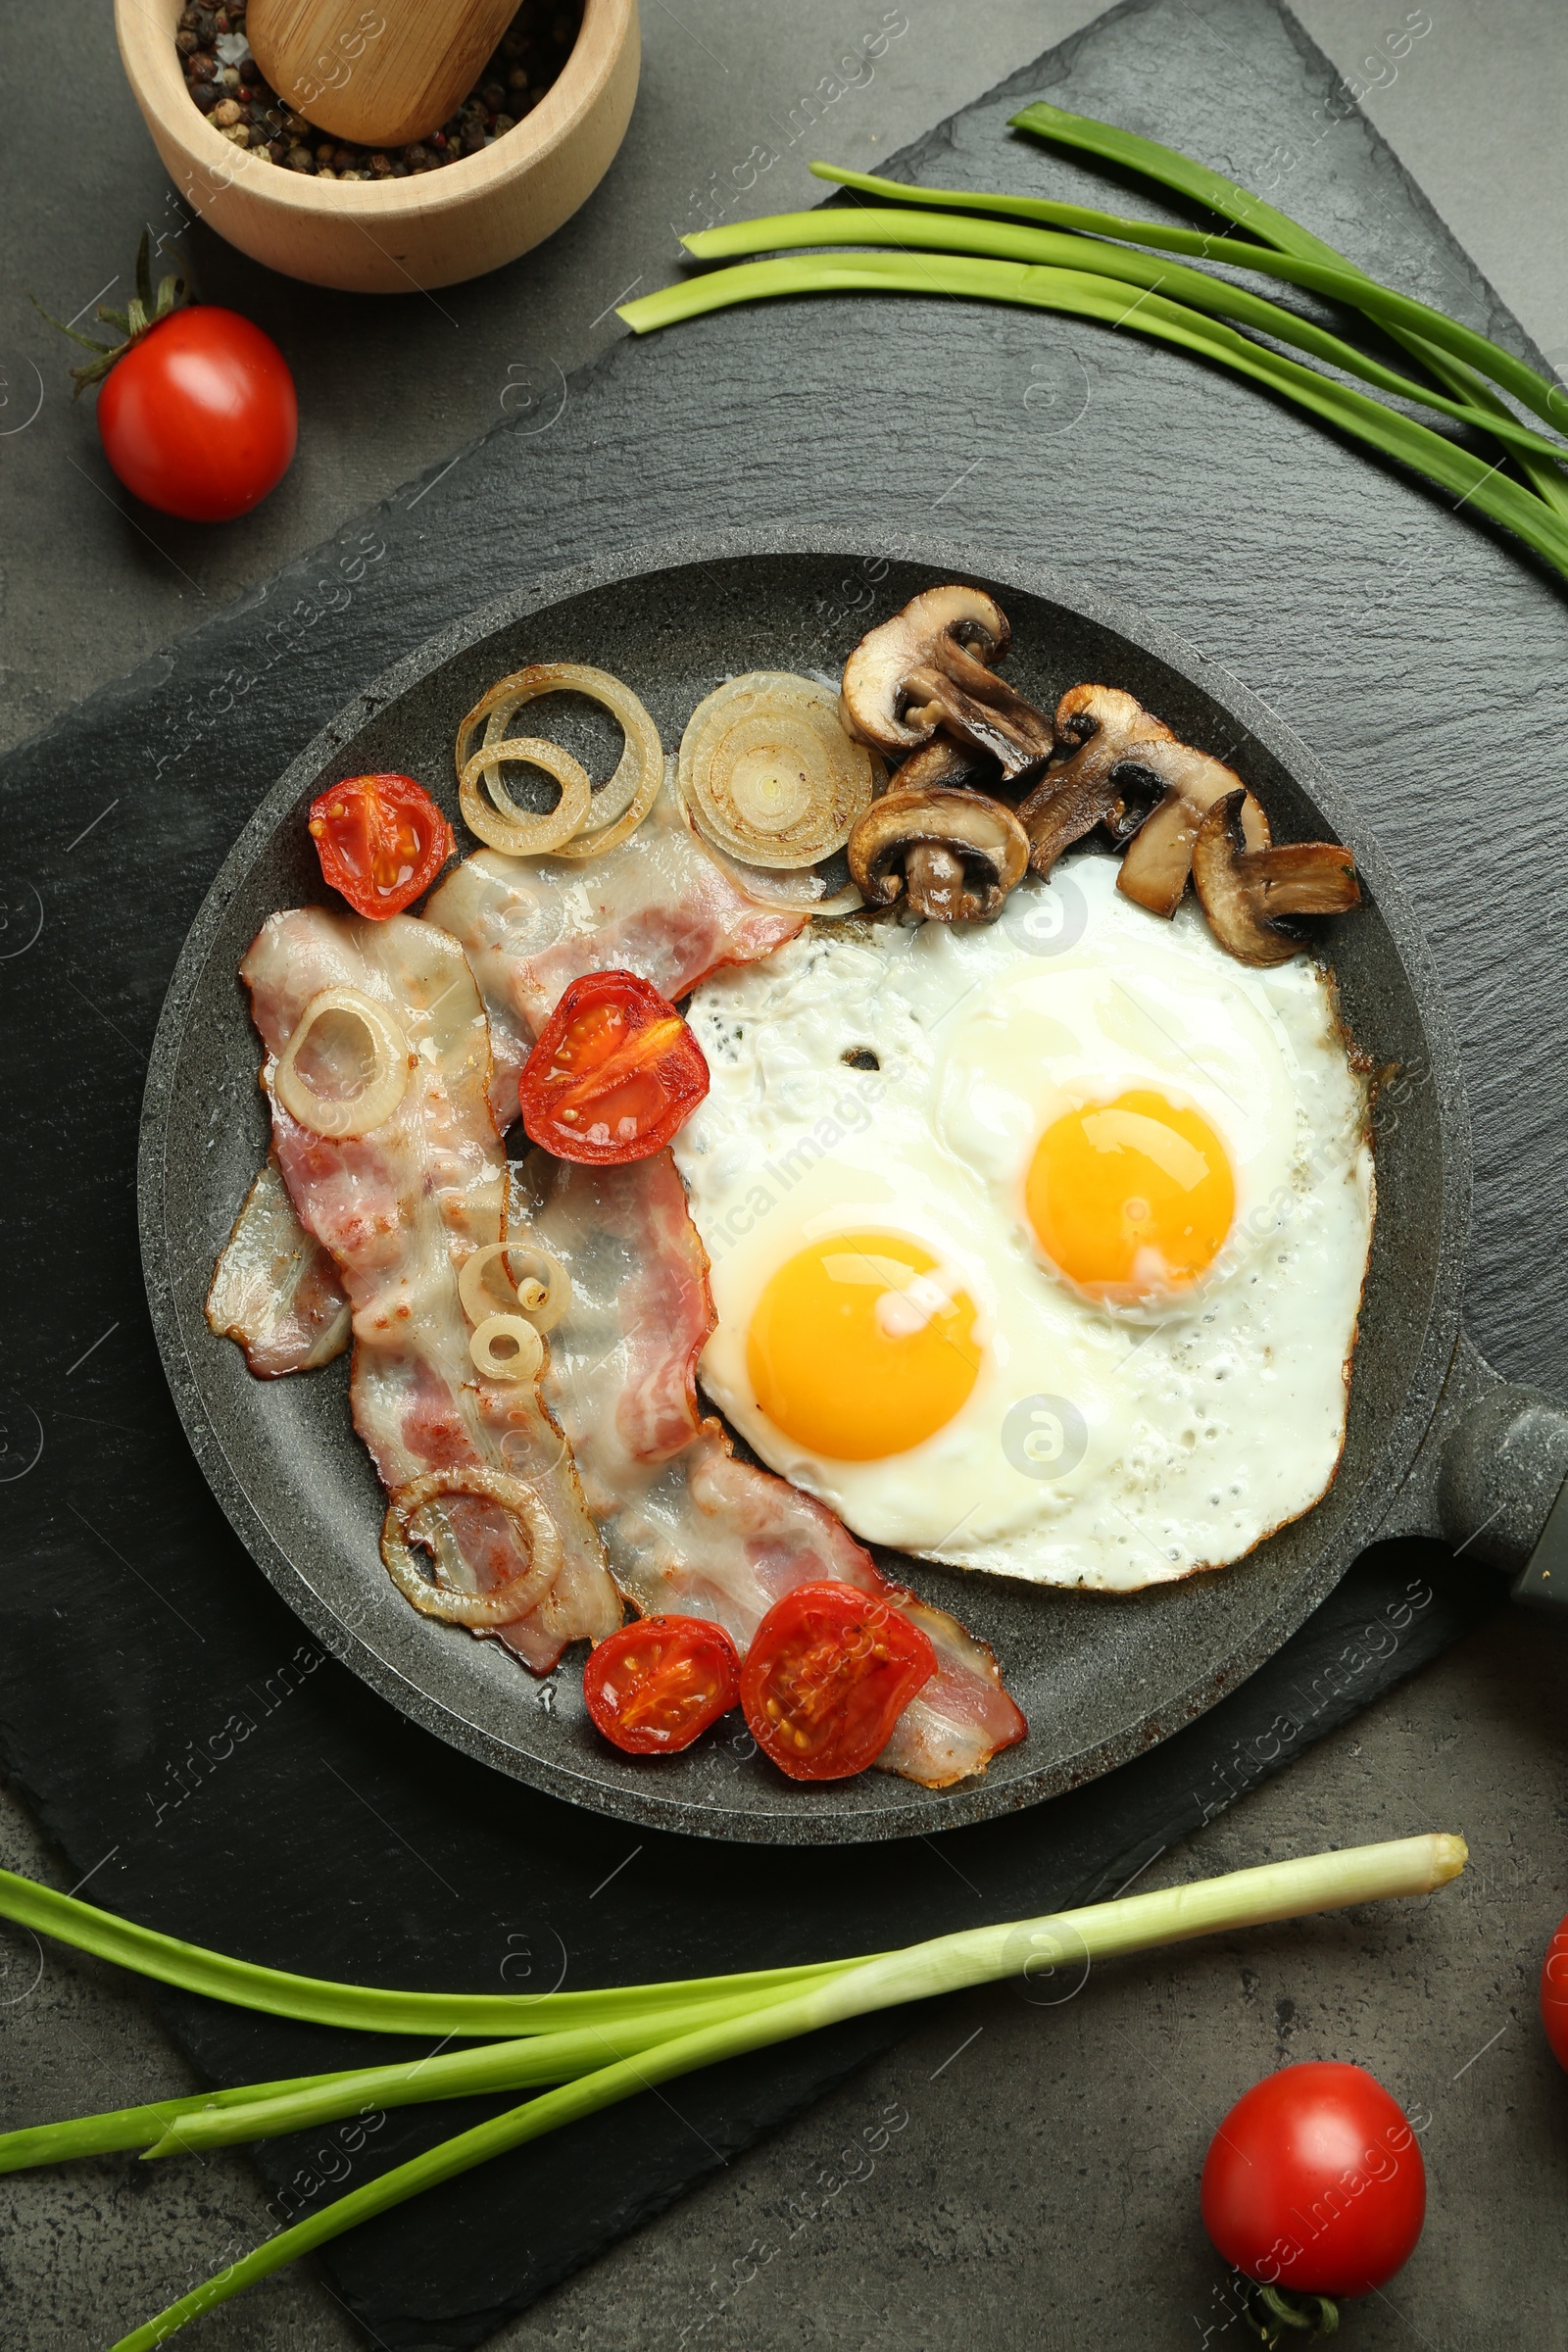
{"points": [[1103, 1447]]}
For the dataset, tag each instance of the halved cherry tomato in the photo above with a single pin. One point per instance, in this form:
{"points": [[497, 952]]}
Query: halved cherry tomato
{"points": [[1554, 1993], [656, 1685], [616, 1072], [1314, 2183], [381, 841], [829, 1672]]}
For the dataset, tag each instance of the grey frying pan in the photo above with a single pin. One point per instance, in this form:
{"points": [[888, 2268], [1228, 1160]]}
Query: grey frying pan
{"points": [[1436, 1442]]}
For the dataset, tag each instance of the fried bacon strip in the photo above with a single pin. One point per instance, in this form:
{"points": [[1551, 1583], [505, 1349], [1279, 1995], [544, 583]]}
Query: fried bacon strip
{"points": [[274, 1290], [690, 1527], [659, 906], [397, 1210]]}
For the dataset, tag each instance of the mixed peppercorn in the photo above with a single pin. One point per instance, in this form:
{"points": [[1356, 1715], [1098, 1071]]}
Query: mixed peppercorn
{"points": [[226, 83]]}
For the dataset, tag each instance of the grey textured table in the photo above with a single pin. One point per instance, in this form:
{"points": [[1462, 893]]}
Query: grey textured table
{"points": [[1063, 2142]]}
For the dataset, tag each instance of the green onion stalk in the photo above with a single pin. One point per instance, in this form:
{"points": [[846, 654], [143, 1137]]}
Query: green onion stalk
{"points": [[1076, 259], [593, 2050]]}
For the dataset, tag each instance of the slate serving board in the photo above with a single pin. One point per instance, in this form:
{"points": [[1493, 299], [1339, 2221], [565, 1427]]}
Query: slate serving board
{"points": [[171, 1722]]}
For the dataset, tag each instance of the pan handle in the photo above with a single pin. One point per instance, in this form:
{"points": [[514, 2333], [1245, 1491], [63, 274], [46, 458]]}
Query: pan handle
{"points": [[1492, 1480]]}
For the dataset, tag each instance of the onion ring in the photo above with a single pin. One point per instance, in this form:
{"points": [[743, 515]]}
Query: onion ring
{"points": [[618, 807], [774, 886], [527, 1347], [515, 1597], [544, 1293], [499, 821], [379, 1097], [768, 773]]}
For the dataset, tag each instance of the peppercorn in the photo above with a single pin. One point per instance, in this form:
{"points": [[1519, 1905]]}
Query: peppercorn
{"points": [[185, 41], [504, 122], [325, 171], [238, 133], [207, 96], [380, 165], [225, 113], [296, 124], [249, 70], [326, 152], [517, 78], [400, 170], [202, 66], [494, 95], [277, 150], [474, 140], [300, 159]]}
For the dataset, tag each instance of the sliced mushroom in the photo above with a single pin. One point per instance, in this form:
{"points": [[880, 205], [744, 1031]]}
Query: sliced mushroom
{"points": [[1156, 867], [931, 665], [1243, 892], [945, 760], [1099, 728], [955, 855]]}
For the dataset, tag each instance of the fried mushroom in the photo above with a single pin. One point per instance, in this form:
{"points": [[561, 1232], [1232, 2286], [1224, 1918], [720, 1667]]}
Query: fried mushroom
{"points": [[1098, 732], [932, 665], [954, 855], [1155, 870], [1244, 891], [945, 760]]}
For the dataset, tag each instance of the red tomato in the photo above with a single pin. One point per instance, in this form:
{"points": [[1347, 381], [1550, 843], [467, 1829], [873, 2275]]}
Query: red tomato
{"points": [[381, 841], [199, 418], [616, 1072], [656, 1685], [1314, 2183], [829, 1672], [1554, 1993]]}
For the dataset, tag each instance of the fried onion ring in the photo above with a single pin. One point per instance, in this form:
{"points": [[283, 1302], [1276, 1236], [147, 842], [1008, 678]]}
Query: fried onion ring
{"points": [[344, 1115], [513, 1599]]}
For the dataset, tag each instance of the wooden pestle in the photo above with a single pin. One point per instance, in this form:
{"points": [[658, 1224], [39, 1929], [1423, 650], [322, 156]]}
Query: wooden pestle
{"points": [[381, 72]]}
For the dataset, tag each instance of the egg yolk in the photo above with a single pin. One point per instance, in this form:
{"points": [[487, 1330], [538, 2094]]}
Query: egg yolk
{"points": [[1130, 1194], [859, 1346]]}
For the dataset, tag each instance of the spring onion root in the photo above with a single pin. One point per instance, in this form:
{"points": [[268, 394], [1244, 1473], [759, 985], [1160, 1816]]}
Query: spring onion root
{"points": [[685, 2034]]}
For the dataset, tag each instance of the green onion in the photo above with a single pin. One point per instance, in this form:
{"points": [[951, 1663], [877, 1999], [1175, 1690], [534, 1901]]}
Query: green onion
{"points": [[1088, 296], [1332, 275], [946, 233], [369, 2008], [1172, 170], [1412, 1865]]}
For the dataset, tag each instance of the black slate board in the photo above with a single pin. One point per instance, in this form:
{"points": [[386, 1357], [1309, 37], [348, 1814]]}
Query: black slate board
{"points": [[322, 1832]]}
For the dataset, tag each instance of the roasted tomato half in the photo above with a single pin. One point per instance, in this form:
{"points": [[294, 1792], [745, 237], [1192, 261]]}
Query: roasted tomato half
{"points": [[656, 1685], [616, 1072], [381, 841], [829, 1672]]}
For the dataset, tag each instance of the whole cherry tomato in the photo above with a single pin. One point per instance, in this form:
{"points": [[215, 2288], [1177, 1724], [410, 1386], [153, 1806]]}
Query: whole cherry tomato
{"points": [[656, 1685], [1554, 1993], [616, 1072], [1314, 2183], [199, 416], [381, 841], [829, 1672]]}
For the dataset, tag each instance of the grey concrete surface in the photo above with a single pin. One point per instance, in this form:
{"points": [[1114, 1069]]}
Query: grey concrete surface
{"points": [[1041, 2192]]}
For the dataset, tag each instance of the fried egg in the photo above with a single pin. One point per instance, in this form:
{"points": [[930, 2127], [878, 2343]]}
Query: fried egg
{"points": [[1036, 1247]]}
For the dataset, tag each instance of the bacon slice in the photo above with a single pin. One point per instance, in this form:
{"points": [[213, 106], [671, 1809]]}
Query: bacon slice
{"points": [[659, 906], [688, 1526], [274, 1290], [397, 1210]]}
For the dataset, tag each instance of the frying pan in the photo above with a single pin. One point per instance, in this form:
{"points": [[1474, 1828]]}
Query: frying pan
{"points": [[1436, 1444]]}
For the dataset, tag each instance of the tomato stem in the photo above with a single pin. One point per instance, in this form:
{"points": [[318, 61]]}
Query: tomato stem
{"points": [[144, 311], [1277, 2318]]}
